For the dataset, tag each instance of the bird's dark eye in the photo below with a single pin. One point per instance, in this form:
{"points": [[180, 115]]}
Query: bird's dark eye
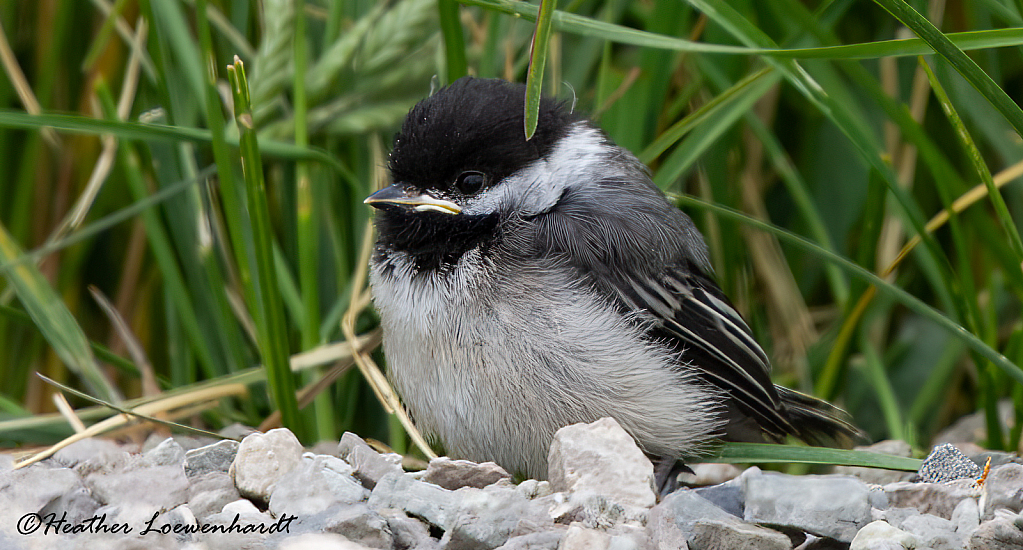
{"points": [[470, 182]]}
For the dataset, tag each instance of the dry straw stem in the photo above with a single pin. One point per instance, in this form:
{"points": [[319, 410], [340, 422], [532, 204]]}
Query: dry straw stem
{"points": [[150, 387], [904, 155], [370, 371], [791, 320], [360, 299], [339, 352], [23, 88], [966, 200], [106, 158], [122, 28], [68, 412], [166, 405], [319, 356], [225, 27]]}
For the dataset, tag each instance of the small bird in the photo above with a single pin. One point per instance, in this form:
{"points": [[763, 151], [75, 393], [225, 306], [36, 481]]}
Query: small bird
{"points": [[527, 285]]}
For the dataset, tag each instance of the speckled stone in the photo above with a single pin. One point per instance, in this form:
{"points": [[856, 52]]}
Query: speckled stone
{"points": [[947, 463]]}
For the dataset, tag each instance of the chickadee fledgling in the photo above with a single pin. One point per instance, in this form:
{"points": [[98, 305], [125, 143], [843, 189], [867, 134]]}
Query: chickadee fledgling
{"points": [[527, 285]]}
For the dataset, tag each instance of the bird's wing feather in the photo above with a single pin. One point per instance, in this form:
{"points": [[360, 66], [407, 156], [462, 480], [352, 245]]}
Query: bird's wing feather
{"points": [[646, 257], [721, 346], [691, 314]]}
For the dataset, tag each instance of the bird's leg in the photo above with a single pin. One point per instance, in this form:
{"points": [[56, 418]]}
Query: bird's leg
{"points": [[666, 472]]}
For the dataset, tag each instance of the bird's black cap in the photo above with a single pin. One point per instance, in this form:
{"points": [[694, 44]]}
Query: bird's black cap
{"points": [[473, 124]]}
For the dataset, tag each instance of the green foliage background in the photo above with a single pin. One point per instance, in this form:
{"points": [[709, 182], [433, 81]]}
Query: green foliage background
{"points": [[131, 164]]}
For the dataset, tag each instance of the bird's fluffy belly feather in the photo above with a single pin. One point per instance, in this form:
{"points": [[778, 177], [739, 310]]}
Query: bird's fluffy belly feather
{"points": [[449, 357]]}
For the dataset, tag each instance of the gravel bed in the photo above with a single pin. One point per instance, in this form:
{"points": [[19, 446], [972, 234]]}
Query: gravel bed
{"points": [[269, 492]]}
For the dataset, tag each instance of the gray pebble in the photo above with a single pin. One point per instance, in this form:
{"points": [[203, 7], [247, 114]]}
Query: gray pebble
{"points": [[167, 453], [939, 499], [211, 458], [368, 466], [92, 454], [408, 533], [934, 532], [262, 460], [727, 496], [1003, 488], [682, 510], [546, 540], [601, 458], [832, 506], [360, 524], [320, 541], [209, 493], [423, 500], [879, 535], [31, 490], [160, 487], [455, 474], [966, 516], [485, 510], [583, 538], [737, 535], [997, 534], [314, 486]]}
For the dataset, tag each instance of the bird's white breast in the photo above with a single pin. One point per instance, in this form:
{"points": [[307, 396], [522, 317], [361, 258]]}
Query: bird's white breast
{"points": [[494, 361]]}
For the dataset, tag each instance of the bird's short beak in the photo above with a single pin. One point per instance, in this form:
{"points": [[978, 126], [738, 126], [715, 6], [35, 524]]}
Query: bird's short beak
{"points": [[399, 194]]}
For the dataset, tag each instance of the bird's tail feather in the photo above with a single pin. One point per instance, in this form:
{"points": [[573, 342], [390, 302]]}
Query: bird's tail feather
{"points": [[818, 422]]}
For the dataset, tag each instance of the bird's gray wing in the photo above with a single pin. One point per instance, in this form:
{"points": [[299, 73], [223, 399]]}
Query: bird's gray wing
{"points": [[716, 342], [646, 257]]}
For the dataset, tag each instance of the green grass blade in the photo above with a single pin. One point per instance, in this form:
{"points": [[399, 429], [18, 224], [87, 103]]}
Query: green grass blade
{"points": [[968, 297], [107, 222], [1014, 349], [103, 36], [454, 41], [163, 252], [273, 67], [752, 86], [307, 218], [102, 352], [55, 322], [232, 195], [584, 26], [663, 78], [183, 49], [798, 189], [290, 295], [340, 53], [129, 412], [537, 60], [878, 377], [77, 124], [904, 47], [266, 302], [962, 62], [767, 453], [979, 165], [717, 118], [903, 297], [841, 114], [936, 389]]}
